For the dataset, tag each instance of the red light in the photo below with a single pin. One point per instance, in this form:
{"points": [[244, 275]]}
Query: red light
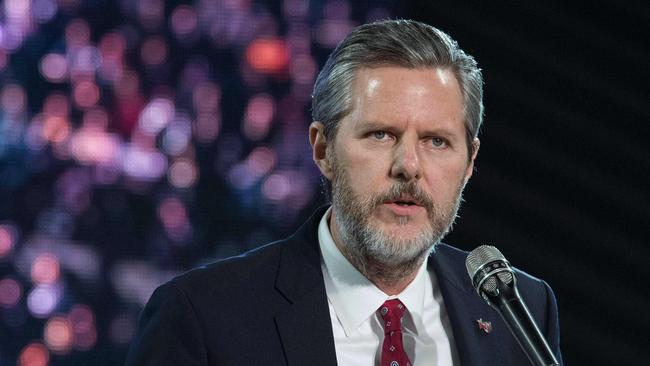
{"points": [[267, 55], [34, 354]]}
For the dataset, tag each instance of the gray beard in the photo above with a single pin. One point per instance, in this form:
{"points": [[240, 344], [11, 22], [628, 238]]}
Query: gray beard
{"points": [[377, 255]]}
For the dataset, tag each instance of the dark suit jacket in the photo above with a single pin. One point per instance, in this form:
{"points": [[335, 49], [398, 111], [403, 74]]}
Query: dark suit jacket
{"points": [[269, 307]]}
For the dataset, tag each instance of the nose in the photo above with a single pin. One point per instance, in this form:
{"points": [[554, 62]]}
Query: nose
{"points": [[406, 161]]}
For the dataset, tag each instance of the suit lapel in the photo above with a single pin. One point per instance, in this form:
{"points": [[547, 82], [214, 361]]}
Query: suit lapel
{"points": [[303, 322], [475, 346]]}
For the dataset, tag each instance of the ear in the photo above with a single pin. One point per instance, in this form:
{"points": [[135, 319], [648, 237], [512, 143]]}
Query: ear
{"points": [[319, 147], [470, 167]]}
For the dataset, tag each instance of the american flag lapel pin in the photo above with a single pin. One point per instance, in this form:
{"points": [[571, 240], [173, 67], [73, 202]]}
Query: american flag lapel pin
{"points": [[485, 326]]}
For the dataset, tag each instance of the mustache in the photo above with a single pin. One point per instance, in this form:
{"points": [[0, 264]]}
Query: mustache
{"points": [[401, 189]]}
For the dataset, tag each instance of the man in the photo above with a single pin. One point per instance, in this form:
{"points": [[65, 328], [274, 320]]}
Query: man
{"points": [[396, 111]]}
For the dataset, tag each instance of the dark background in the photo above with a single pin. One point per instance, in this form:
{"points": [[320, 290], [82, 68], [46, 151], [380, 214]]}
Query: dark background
{"points": [[560, 184]]}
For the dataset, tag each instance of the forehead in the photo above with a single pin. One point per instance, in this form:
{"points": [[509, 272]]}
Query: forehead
{"points": [[399, 93]]}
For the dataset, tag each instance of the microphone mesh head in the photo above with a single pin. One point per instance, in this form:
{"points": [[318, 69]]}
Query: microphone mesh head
{"points": [[481, 256]]}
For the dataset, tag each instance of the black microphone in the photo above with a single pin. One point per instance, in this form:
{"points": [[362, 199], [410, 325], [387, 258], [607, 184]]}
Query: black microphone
{"points": [[496, 283]]}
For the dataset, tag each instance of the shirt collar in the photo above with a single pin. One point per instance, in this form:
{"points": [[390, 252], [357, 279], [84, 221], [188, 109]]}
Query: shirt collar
{"points": [[353, 296]]}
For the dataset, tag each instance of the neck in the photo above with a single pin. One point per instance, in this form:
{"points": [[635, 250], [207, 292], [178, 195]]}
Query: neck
{"points": [[391, 279]]}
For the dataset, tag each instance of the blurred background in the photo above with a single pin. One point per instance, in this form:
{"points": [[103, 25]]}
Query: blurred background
{"points": [[141, 138]]}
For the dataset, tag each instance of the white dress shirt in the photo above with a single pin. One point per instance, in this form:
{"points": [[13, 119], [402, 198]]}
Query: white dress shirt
{"points": [[358, 330]]}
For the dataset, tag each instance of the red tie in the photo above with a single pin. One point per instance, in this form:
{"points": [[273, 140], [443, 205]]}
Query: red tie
{"points": [[392, 352]]}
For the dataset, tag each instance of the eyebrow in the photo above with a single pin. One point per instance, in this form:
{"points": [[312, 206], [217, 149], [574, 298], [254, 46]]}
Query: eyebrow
{"points": [[376, 125]]}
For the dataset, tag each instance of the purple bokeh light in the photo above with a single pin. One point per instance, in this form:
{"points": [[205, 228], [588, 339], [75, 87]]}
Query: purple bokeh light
{"points": [[43, 299], [10, 292]]}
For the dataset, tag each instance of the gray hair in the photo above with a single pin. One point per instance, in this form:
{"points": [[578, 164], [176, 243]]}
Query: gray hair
{"points": [[404, 43]]}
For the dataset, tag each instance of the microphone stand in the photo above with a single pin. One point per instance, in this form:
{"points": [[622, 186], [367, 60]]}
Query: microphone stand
{"points": [[515, 312]]}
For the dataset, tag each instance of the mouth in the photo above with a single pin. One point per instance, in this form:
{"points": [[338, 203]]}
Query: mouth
{"points": [[404, 201]]}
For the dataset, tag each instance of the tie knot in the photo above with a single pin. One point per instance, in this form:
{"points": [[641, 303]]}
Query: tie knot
{"points": [[391, 312]]}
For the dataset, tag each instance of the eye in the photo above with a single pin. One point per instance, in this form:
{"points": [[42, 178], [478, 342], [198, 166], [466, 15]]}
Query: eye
{"points": [[437, 142], [379, 135]]}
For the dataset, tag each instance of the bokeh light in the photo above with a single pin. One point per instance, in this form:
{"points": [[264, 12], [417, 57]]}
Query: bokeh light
{"points": [[151, 13], [10, 292], [261, 160], [291, 188], [111, 49], [45, 269], [8, 237], [58, 335], [91, 145], [173, 215], [154, 51], [267, 55], [13, 99], [156, 116], [182, 173], [34, 354], [207, 127], [85, 94], [84, 332], [44, 10], [184, 22], [143, 164], [206, 97], [258, 117], [43, 299], [18, 23], [77, 34], [56, 129], [56, 126], [54, 67], [276, 188], [84, 62], [177, 135]]}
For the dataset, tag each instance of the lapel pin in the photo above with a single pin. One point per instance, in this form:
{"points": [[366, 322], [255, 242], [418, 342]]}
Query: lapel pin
{"points": [[485, 326]]}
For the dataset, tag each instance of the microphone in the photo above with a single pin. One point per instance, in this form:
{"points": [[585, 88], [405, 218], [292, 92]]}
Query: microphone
{"points": [[495, 281]]}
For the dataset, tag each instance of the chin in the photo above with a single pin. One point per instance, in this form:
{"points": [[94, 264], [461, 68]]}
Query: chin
{"points": [[404, 226], [405, 231]]}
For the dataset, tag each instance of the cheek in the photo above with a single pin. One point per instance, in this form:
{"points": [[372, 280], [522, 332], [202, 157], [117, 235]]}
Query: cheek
{"points": [[363, 178], [368, 168], [444, 178], [364, 169]]}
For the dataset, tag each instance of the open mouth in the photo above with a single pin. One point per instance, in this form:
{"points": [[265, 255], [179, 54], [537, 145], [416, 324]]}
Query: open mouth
{"points": [[404, 203]]}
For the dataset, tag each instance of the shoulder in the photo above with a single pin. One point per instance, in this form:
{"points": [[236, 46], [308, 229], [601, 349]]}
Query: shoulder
{"points": [[182, 321], [251, 269], [256, 273]]}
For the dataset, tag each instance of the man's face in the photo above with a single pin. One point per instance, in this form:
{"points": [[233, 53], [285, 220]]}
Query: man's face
{"points": [[399, 163]]}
